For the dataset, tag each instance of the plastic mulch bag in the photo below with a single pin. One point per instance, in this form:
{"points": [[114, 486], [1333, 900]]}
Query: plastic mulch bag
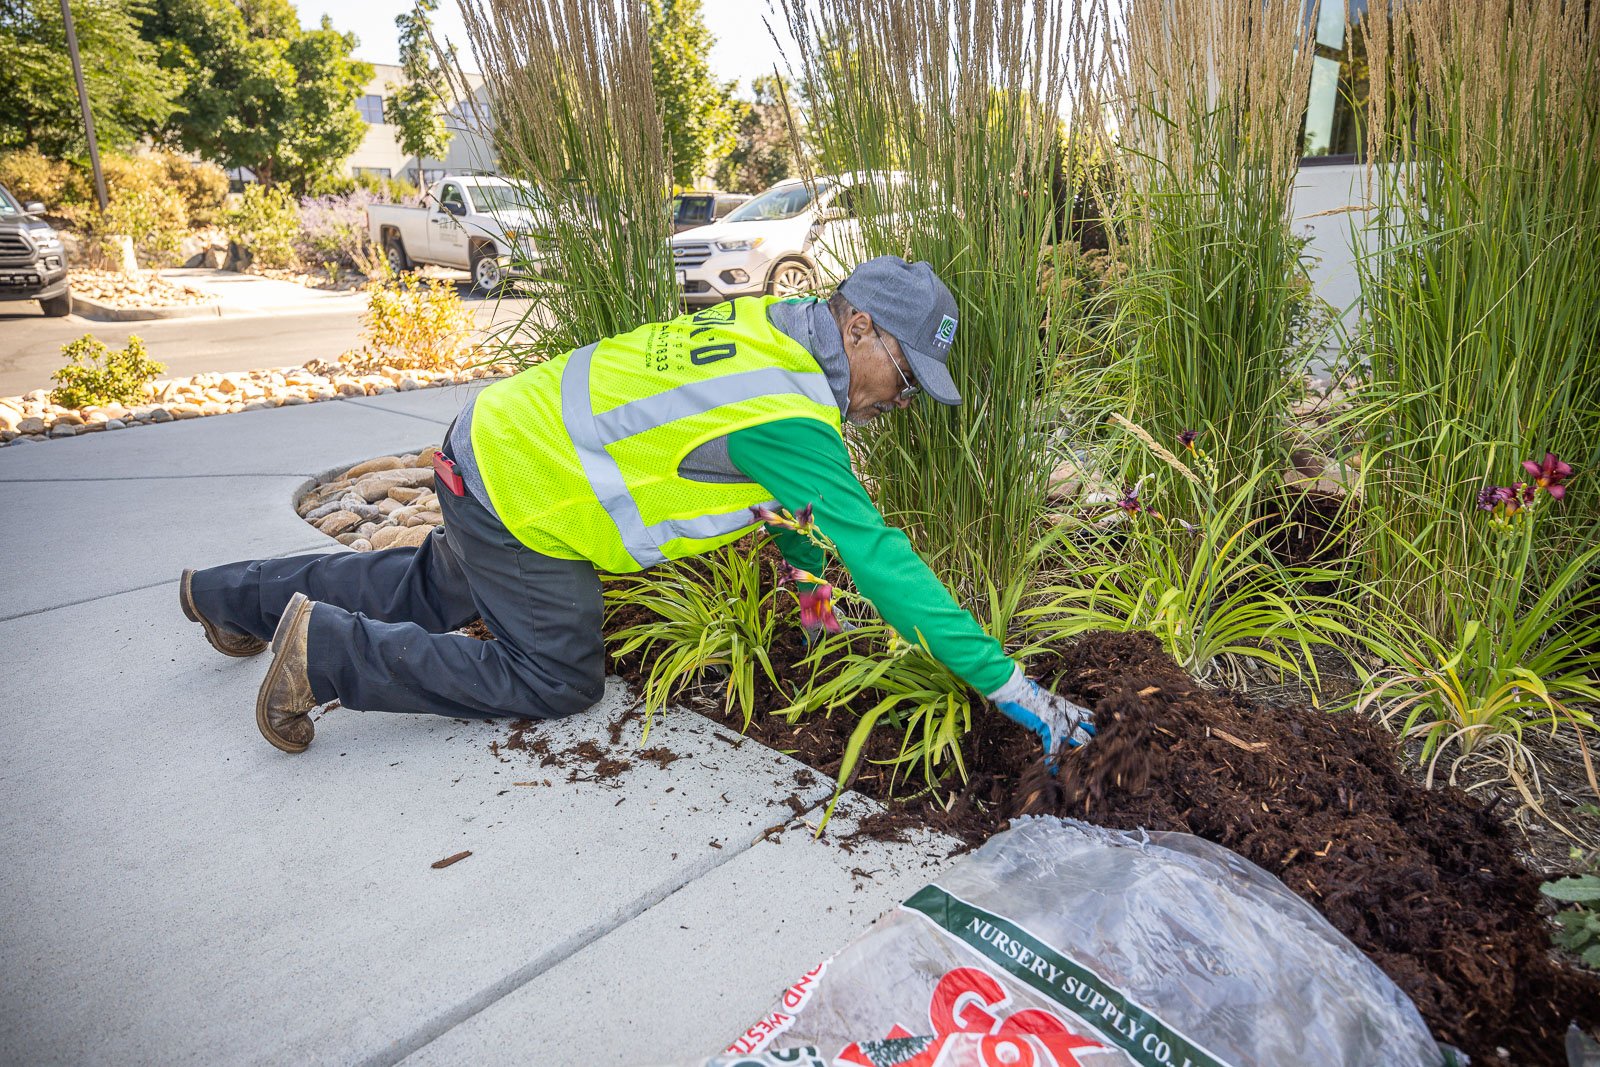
{"points": [[1059, 943]]}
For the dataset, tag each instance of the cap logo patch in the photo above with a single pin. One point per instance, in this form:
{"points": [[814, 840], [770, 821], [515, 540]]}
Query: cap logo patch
{"points": [[946, 333]]}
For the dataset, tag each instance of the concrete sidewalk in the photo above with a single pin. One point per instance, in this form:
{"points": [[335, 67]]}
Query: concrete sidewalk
{"points": [[177, 891], [236, 295]]}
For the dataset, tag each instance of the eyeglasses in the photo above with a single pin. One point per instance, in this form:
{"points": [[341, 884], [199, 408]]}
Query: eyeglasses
{"points": [[911, 388]]}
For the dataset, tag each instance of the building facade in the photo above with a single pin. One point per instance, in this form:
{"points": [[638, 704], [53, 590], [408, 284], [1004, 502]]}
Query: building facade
{"points": [[380, 153]]}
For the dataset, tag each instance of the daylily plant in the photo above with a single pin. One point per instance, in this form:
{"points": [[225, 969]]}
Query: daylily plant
{"points": [[1512, 666]]}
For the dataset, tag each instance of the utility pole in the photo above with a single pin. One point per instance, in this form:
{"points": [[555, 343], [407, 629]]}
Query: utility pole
{"points": [[83, 102]]}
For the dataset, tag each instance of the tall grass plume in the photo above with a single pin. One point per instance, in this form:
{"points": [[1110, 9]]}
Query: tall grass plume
{"points": [[577, 122]]}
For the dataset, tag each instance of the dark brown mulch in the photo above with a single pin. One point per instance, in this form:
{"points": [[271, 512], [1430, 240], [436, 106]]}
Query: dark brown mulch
{"points": [[1427, 883]]}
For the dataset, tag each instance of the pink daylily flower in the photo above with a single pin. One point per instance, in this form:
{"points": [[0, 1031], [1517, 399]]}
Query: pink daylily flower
{"points": [[1550, 475]]}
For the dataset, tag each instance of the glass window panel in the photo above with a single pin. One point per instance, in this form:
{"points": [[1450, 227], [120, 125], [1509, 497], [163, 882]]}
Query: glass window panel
{"points": [[1336, 111]]}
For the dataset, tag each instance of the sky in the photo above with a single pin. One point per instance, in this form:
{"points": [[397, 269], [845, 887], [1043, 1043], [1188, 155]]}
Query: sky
{"points": [[743, 50]]}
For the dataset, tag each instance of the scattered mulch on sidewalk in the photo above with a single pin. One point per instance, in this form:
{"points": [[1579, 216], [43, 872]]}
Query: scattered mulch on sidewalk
{"points": [[1426, 882]]}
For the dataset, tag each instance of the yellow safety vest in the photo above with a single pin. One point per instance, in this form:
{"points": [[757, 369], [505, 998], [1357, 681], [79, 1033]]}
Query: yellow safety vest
{"points": [[580, 454]]}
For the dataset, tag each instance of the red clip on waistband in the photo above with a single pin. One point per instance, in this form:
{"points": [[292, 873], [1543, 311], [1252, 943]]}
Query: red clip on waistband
{"points": [[446, 474]]}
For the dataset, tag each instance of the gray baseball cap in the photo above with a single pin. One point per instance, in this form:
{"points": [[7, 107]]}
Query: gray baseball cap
{"points": [[909, 303]]}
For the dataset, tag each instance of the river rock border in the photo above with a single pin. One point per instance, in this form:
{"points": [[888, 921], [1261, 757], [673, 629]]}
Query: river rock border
{"points": [[32, 417], [387, 502]]}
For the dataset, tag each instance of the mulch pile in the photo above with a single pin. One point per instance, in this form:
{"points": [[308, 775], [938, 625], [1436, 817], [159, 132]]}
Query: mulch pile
{"points": [[1427, 883]]}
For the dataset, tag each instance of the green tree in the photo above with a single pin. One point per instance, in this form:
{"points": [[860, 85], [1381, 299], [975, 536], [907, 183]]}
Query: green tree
{"points": [[326, 128], [763, 151], [129, 94], [261, 92], [698, 112], [416, 106]]}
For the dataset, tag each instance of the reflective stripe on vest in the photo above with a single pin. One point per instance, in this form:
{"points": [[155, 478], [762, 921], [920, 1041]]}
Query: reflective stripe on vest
{"points": [[591, 433]]}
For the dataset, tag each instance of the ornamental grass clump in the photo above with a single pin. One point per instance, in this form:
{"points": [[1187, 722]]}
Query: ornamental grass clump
{"points": [[1482, 323], [1522, 655], [1206, 104], [953, 108], [577, 121], [1208, 587]]}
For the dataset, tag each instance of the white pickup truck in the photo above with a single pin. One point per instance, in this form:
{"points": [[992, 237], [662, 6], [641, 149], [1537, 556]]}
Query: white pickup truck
{"points": [[480, 223]]}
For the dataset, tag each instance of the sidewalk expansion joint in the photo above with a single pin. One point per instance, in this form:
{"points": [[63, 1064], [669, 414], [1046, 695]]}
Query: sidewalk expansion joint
{"points": [[489, 996], [357, 403], [141, 588]]}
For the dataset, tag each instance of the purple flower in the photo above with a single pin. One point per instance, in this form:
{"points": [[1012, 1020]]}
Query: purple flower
{"points": [[1549, 475], [1503, 501], [1187, 438], [1130, 501]]}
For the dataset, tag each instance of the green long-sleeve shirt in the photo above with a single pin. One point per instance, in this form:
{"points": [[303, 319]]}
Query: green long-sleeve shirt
{"points": [[801, 462]]}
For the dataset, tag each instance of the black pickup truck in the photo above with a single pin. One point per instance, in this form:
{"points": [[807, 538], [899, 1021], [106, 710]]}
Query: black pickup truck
{"points": [[33, 265]]}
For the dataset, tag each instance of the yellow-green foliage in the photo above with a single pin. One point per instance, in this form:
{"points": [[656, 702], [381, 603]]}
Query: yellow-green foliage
{"points": [[411, 323], [203, 188], [66, 187], [31, 176], [265, 223], [143, 204], [96, 374]]}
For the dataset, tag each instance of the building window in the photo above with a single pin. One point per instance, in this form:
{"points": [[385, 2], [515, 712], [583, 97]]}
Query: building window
{"points": [[371, 172], [1335, 128], [371, 108]]}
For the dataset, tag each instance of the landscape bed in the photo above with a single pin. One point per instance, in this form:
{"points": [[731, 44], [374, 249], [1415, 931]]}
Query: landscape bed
{"points": [[1426, 882]]}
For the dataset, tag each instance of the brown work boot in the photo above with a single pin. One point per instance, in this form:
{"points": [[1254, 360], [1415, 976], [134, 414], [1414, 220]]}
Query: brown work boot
{"points": [[285, 697], [224, 641]]}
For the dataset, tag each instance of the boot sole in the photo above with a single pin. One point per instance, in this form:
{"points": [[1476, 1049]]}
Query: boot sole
{"points": [[190, 612], [297, 604]]}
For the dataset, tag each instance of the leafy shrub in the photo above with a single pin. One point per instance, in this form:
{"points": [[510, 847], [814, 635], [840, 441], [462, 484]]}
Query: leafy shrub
{"points": [[143, 205], [203, 188], [384, 190], [413, 323], [913, 694], [388, 190], [66, 188], [145, 199], [96, 374], [266, 223], [333, 231], [31, 176]]}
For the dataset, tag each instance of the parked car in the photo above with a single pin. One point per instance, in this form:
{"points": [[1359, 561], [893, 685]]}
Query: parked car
{"points": [[699, 208], [33, 265], [480, 223], [791, 239]]}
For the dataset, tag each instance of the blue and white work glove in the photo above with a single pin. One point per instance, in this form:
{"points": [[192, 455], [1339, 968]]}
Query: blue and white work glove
{"points": [[1058, 722]]}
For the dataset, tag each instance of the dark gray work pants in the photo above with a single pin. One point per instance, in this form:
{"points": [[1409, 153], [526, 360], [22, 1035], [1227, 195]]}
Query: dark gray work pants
{"points": [[379, 638]]}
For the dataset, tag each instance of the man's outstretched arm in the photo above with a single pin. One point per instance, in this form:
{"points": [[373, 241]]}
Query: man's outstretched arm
{"points": [[803, 462]]}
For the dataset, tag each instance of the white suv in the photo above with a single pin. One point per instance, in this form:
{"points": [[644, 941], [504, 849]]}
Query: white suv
{"points": [[782, 243]]}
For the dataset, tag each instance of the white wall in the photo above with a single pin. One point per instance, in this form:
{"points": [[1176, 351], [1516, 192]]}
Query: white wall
{"points": [[1327, 206]]}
